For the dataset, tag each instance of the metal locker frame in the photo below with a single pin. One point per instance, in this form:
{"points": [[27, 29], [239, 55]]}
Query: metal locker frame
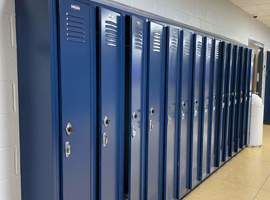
{"points": [[112, 106], [155, 110], [172, 110], [186, 59], [196, 109], [136, 35]]}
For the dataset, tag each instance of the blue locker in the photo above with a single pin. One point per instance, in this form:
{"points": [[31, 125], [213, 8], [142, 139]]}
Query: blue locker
{"points": [[207, 102], [227, 92], [186, 59], [215, 106], [232, 111], [156, 101], [173, 72], [196, 127], [112, 70], [137, 71], [77, 40]]}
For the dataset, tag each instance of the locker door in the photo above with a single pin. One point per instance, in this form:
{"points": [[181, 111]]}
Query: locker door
{"points": [[136, 33], [208, 81], [173, 67], [111, 122], [232, 120], [77, 72], [197, 108], [227, 93], [156, 101], [185, 107], [215, 105]]}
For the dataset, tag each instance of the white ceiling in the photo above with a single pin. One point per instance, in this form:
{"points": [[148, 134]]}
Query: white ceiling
{"points": [[260, 8]]}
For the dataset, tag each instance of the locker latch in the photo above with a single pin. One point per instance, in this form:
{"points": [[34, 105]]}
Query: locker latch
{"points": [[105, 139], [67, 149]]}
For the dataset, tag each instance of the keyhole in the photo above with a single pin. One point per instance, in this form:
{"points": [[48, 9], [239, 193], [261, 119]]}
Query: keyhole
{"points": [[106, 121], [69, 128]]}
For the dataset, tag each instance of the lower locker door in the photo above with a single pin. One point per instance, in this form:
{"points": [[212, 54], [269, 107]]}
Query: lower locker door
{"points": [[173, 68], [111, 120], [156, 100], [185, 107], [136, 33], [196, 110], [76, 68]]}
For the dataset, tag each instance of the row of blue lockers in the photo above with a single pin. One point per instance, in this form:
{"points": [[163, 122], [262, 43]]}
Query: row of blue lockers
{"points": [[146, 109]]}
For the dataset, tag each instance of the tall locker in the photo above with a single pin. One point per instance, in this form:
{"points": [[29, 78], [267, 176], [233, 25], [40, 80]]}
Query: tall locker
{"points": [[172, 108], [136, 37], [186, 59], [155, 110], [227, 92], [232, 121], [196, 108], [111, 108], [215, 106], [207, 102]]}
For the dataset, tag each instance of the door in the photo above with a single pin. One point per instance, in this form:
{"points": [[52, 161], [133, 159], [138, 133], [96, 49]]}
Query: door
{"points": [[196, 129], [136, 36], [156, 102], [186, 59], [173, 73], [77, 80], [267, 91], [111, 109]]}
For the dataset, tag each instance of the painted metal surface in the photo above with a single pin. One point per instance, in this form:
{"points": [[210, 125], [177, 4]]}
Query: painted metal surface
{"points": [[156, 101], [186, 59], [137, 40], [267, 91], [111, 119], [173, 73]]}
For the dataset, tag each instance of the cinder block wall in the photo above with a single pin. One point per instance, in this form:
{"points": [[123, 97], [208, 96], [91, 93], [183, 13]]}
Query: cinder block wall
{"points": [[9, 126]]}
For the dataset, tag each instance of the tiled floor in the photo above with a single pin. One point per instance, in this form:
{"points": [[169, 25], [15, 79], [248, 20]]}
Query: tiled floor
{"points": [[245, 177]]}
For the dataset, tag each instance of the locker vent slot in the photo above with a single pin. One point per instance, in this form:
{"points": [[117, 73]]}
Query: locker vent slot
{"points": [[187, 47], [217, 52], [111, 36], [209, 50], [174, 41], [138, 40], [199, 48], [75, 28], [156, 42]]}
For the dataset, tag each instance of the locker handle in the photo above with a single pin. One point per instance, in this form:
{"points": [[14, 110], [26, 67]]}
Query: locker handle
{"points": [[105, 139], [151, 126], [67, 149]]}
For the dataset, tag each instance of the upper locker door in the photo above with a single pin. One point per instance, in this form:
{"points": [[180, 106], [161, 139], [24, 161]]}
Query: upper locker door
{"points": [[215, 107], [111, 119], [196, 129], [156, 102], [173, 72], [227, 102], [137, 30], [207, 89], [77, 73], [231, 126], [186, 57]]}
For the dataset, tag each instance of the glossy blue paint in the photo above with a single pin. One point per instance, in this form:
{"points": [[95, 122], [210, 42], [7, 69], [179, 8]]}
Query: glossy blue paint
{"points": [[112, 70], [196, 127], [186, 59], [172, 118], [207, 106], [156, 101], [137, 47]]}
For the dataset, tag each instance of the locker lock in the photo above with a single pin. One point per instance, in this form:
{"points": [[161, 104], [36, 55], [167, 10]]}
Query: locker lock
{"points": [[135, 115], [69, 128], [152, 111], [106, 121]]}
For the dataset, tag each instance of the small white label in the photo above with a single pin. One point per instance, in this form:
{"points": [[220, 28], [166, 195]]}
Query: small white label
{"points": [[75, 7]]}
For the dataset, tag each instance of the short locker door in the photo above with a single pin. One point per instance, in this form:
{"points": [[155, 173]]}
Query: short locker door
{"points": [[186, 60], [227, 102], [111, 121], [231, 129], [208, 81], [156, 101], [137, 31], [215, 106], [222, 104], [196, 129], [77, 21], [173, 67]]}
